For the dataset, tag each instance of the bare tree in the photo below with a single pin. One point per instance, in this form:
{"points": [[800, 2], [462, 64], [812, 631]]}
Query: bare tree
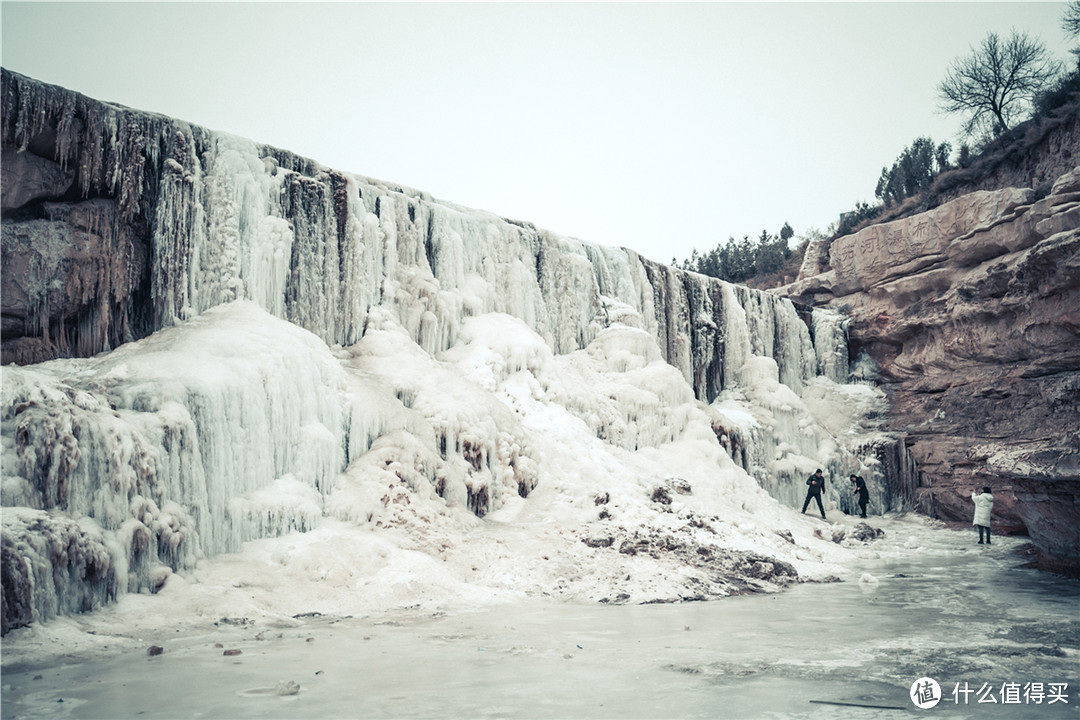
{"points": [[1070, 22], [998, 82]]}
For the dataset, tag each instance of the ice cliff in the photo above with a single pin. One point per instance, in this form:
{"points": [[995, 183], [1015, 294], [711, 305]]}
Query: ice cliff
{"points": [[208, 341]]}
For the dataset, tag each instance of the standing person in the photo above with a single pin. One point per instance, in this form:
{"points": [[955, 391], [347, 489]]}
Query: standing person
{"points": [[862, 492], [983, 505], [816, 484]]}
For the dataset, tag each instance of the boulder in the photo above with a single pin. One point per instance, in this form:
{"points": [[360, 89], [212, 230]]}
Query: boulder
{"points": [[76, 267], [27, 178]]}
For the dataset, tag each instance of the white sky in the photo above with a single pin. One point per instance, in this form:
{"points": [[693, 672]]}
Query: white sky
{"points": [[661, 127]]}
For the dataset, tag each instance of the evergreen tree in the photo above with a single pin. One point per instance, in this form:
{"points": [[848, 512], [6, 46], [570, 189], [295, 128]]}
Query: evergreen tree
{"points": [[913, 171], [740, 260], [786, 233]]}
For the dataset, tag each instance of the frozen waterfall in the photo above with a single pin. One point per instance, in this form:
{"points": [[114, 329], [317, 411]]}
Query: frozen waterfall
{"points": [[277, 343]]}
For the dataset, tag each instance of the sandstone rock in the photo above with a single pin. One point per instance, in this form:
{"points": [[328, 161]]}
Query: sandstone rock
{"points": [[864, 533], [815, 259], [911, 245], [1068, 182], [1065, 220], [971, 312]]}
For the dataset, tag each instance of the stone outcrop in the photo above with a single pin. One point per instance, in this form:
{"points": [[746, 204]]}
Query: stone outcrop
{"points": [[971, 315], [71, 281], [117, 223]]}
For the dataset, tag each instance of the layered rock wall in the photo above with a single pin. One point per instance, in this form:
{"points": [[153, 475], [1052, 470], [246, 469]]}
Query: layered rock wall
{"points": [[971, 314]]}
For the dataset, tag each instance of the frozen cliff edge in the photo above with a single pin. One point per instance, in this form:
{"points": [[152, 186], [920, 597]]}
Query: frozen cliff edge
{"points": [[118, 223], [971, 311], [257, 346]]}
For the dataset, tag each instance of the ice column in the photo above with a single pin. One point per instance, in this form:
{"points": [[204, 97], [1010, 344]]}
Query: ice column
{"points": [[830, 344]]}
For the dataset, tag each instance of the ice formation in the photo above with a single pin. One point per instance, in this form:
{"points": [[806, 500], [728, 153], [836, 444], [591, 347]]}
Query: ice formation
{"points": [[314, 345]]}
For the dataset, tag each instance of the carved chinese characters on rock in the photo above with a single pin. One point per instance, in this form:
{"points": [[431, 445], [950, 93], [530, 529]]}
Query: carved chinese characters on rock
{"points": [[880, 251]]}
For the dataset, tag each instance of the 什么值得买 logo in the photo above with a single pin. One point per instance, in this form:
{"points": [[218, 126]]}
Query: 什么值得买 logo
{"points": [[926, 693]]}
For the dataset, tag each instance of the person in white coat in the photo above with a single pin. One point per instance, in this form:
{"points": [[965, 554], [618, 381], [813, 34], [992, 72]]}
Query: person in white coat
{"points": [[983, 505]]}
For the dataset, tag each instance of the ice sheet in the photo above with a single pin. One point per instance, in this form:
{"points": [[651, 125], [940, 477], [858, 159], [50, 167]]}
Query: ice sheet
{"points": [[922, 601]]}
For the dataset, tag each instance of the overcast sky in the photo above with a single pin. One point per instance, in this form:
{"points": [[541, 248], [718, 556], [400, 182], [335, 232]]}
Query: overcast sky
{"points": [[661, 127]]}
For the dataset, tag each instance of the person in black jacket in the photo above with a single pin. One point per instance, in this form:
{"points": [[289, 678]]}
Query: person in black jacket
{"points": [[816, 485], [862, 492]]}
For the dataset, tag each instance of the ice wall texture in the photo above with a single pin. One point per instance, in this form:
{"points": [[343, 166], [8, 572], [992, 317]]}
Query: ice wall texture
{"points": [[121, 468], [122, 225], [172, 220]]}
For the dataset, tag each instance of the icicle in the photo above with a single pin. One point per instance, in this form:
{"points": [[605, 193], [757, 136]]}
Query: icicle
{"points": [[830, 344]]}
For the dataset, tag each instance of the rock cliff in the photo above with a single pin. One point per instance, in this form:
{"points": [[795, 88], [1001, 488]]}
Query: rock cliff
{"points": [[970, 312]]}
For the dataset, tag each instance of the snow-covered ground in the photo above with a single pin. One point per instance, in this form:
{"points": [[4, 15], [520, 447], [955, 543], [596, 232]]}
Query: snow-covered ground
{"points": [[490, 530], [496, 468], [921, 601]]}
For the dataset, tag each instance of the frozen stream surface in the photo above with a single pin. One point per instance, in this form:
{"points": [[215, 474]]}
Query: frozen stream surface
{"points": [[945, 608]]}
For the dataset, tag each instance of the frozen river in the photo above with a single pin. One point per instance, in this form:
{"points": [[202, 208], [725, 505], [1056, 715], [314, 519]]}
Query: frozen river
{"points": [[965, 616]]}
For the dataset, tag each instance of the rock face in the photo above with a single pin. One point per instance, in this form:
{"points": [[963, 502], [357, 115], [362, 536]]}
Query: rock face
{"points": [[71, 280], [971, 314]]}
